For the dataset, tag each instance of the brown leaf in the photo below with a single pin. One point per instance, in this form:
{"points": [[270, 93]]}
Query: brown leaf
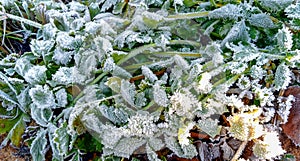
{"points": [[292, 127]]}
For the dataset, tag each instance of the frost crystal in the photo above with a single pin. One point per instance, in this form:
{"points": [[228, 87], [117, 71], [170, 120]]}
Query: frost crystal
{"points": [[244, 83], [183, 103], [269, 148], [229, 11], [204, 85], [285, 104], [42, 96], [142, 124], [36, 75], [284, 38], [282, 77]]}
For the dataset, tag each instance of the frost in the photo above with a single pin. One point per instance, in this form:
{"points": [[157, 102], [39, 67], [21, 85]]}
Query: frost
{"points": [[128, 92], [185, 151], [285, 104], [269, 147], [238, 32], [229, 11], [284, 38], [184, 133], [160, 96], [36, 75], [210, 127], [61, 98], [204, 85], [149, 74], [282, 77], [275, 5], [38, 147], [42, 97], [261, 20]]}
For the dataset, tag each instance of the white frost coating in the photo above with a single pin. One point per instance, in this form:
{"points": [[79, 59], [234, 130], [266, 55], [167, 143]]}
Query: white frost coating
{"points": [[204, 85], [42, 96]]}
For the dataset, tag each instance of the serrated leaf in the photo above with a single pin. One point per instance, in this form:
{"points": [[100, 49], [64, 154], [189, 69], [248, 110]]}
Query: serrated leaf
{"points": [[160, 96], [15, 127], [36, 75], [229, 11], [261, 20], [61, 98], [238, 32], [275, 5], [41, 116], [38, 146], [282, 77], [186, 151], [210, 127], [116, 115], [61, 139], [42, 96], [128, 92], [114, 83], [23, 64]]}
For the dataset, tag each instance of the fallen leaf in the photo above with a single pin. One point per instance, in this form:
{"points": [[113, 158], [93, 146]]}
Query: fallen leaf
{"points": [[292, 127]]}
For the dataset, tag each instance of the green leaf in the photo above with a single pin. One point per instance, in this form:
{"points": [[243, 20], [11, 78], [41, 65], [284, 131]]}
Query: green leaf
{"points": [[36, 75], [114, 83], [41, 116], [128, 92], [16, 128], [282, 77], [42, 96], [210, 127], [38, 146], [62, 139]]}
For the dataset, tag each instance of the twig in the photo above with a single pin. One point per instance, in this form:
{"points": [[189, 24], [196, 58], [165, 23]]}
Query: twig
{"points": [[239, 151]]}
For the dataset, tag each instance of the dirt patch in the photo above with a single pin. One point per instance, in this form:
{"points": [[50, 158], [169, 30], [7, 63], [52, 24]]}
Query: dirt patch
{"points": [[9, 153]]}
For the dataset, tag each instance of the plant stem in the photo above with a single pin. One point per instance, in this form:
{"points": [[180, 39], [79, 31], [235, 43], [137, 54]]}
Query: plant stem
{"points": [[173, 53], [141, 49], [239, 151], [21, 19], [187, 16]]}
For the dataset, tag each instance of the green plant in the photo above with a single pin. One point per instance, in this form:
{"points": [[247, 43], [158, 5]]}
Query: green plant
{"points": [[139, 73]]}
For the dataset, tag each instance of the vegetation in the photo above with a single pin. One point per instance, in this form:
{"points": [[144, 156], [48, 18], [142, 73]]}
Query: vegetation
{"points": [[148, 77]]}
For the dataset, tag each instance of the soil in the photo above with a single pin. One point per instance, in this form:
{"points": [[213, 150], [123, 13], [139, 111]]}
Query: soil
{"points": [[9, 153]]}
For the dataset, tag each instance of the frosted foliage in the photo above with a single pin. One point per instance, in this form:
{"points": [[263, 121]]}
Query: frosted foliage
{"points": [[41, 47], [37, 149], [210, 127], [244, 83], [213, 51], [185, 151], [127, 146], [275, 5], [142, 124], [265, 95], [229, 11], [238, 32], [285, 104], [269, 148], [61, 98], [184, 133], [42, 96], [151, 154], [284, 38], [293, 11], [149, 74], [160, 95], [65, 41], [204, 85], [109, 65], [183, 103], [257, 72], [64, 75], [62, 57], [128, 92], [36, 75], [115, 115], [181, 62], [282, 77], [261, 20]]}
